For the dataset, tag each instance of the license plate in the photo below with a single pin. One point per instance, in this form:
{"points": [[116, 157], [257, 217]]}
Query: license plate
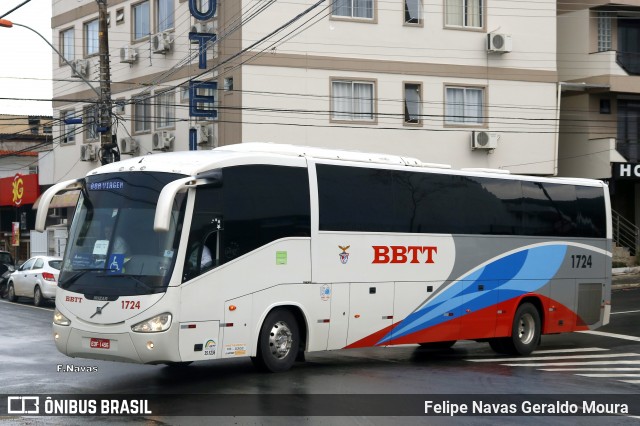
{"points": [[100, 343]]}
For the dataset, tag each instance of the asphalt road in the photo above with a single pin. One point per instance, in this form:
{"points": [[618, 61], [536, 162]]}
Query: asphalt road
{"points": [[30, 366]]}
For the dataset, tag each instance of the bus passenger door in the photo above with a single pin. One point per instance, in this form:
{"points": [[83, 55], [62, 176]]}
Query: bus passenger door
{"points": [[370, 313]]}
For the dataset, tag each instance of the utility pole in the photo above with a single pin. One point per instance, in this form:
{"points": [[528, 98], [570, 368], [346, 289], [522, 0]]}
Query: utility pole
{"points": [[108, 147]]}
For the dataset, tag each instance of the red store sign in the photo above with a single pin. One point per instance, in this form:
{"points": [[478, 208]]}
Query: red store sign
{"points": [[19, 190]]}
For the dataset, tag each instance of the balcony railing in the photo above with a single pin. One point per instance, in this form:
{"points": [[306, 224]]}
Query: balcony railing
{"points": [[629, 61]]}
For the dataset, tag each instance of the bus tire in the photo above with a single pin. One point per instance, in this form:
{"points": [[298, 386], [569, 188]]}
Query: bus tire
{"points": [[525, 332], [11, 293], [278, 343]]}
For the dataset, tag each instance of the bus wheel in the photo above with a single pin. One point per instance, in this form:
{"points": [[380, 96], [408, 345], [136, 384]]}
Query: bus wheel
{"points": [[525, 332], [279, 342]]}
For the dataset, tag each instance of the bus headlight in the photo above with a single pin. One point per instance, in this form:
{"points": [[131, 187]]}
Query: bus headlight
{"points": [[158, 323], [59, 319]]}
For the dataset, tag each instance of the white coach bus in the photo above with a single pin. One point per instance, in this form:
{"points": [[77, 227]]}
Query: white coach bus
{"points": [[268, 251]]}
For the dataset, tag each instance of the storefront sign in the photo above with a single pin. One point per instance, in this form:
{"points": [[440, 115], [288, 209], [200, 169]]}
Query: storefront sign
{"points": [[15, 234], [19, 190]]}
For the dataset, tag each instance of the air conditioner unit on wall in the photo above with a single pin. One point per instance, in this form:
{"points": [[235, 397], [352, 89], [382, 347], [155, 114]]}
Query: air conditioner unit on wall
{"points": [[87, 153], [162, 141], [79, 68], [499, 43], [128, 54], [161, 42], [484, 140], [205, 134], [128, 145]]}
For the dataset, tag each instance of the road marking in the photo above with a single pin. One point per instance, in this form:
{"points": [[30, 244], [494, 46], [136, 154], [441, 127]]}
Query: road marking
{"points": [[617, 336], [633, 382], [561, 364], [549, 358], [592, 369], [608, 375], [625, 312], [553, 351]]}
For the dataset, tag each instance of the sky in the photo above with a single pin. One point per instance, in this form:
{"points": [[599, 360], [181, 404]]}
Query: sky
{"points": [[26, 59]]}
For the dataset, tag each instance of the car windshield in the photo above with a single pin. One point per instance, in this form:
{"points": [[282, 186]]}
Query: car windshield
{"points": [[112, 249]]}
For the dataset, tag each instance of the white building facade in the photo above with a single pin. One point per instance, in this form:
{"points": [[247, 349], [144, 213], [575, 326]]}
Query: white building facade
{"points": [[469, 83]]}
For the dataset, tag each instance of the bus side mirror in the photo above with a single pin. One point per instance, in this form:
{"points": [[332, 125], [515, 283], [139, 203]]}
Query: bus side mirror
{"points": [[45, 201]]}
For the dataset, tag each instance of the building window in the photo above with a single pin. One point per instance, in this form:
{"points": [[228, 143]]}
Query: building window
{"points": [[352, 100], [141, 114], [166, 110], [464, 13], [605, 106], [90, 121], [141, 27], [228, 84], [67, 131], [164, 15], [353, 8], [464, 105], [604, 32], [413, 12], [413, 103], [119, 16], [91, 38], [67, 44]]}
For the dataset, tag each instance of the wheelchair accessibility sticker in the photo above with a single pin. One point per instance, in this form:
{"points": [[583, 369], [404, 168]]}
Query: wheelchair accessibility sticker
{"points": [[115, 264]]}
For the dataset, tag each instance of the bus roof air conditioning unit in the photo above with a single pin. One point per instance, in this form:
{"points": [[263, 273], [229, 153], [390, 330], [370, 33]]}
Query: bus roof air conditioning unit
{"points": [[162, 141], [161, 42], [499, 43], [128, 145], [79, 68], [484, 140], [87, 153], [128, 54]]}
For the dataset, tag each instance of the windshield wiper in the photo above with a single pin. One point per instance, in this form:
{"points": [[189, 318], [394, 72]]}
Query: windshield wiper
{"points": [[66, 283]]}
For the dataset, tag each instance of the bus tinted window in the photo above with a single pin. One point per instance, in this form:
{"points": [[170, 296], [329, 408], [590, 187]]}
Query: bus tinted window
{"points": [[254, 206], [403, 201]]}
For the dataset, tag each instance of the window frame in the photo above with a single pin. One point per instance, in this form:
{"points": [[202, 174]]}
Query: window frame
{"points": [[160, 103], [156, 15], [134, 11], [67, 129], [420, 121], [62, 45], [483, 123], [352, 113], [372, 20], [85, 37], [465, 26], [420, 22], [136, 103]]}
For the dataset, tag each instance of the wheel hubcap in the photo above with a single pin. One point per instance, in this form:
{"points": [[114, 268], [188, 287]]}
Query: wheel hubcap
{"points": [[526, 328], [280, 340]]}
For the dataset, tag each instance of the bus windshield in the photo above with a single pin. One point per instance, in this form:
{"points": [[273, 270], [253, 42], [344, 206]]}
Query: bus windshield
{"points": [[113, 249]]}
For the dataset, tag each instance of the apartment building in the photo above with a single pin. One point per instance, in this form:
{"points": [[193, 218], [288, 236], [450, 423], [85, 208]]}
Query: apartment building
{"points": [[599, 70], [470, 83]]}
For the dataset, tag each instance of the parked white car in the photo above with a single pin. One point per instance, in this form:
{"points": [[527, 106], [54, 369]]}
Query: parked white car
{"points": [[37, 278]]}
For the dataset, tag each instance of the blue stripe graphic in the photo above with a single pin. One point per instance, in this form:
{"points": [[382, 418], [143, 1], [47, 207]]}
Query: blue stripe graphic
{"points": [[510, 276]]}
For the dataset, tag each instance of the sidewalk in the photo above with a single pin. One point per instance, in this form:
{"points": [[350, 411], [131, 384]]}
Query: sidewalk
{"points": [[625, 277]]}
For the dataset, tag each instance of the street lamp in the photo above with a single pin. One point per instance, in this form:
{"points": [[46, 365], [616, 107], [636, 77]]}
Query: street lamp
{"points": [[109, 150], [9, 24]]}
